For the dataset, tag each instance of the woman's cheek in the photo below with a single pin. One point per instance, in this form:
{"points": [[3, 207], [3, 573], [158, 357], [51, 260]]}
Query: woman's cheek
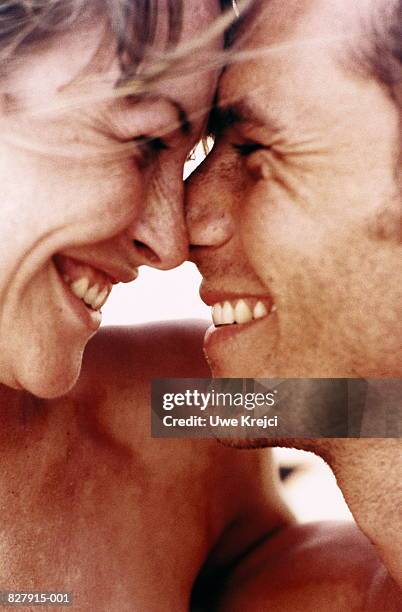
{"points": [[107, 200]]}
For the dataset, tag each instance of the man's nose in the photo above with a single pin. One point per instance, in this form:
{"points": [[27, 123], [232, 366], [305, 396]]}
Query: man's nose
{"points": [[208, 210], [159, 236]]}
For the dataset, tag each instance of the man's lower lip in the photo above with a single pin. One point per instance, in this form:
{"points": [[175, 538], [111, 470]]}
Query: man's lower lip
{"points": [[226, 332], [78, 307]]}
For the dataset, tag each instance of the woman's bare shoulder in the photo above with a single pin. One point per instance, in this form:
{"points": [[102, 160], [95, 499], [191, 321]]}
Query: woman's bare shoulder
{"points": [[318, 566]]}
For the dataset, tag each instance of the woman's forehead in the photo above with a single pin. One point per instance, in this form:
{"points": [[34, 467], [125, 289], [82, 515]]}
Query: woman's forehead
{"points": [[198, 14], [74, 58], [194, 88], [193, 21]]}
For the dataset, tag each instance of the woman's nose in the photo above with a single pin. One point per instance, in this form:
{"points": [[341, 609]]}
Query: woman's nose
{"points": [[208, 209], [159, 236]]}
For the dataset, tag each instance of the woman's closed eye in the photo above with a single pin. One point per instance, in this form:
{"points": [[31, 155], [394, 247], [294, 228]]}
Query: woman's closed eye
{"points": [[154, 144], [149, 147]]}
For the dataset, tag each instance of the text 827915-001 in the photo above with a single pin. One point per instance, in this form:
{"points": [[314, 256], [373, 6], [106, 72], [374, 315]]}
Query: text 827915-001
{"points": [[35, 598]]}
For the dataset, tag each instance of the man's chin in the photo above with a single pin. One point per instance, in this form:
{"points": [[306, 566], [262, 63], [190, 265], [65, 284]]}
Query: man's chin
{"points": [[305, 444], [242, 353], [234, 366], [249, 443]]}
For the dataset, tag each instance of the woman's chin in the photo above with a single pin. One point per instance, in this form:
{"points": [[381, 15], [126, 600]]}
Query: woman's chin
{"points": [[53, 380]]}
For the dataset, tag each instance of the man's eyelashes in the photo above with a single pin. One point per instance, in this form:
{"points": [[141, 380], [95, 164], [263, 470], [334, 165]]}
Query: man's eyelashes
{"points": [[221, 120]]}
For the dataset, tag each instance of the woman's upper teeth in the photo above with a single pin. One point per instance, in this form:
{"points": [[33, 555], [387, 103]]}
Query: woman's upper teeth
{"points": [[87, 283], [94, 296], [241, 311]]}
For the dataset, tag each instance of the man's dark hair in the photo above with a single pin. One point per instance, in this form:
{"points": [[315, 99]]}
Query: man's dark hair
{"points": [[384, 51], [396, 33]]}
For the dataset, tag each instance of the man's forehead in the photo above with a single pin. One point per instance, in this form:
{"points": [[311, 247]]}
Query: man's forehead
{"points": [[283, 46], [280, 26]]}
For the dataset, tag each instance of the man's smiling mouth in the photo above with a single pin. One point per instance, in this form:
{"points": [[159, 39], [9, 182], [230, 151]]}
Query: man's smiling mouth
{"points": [[241, 311]]}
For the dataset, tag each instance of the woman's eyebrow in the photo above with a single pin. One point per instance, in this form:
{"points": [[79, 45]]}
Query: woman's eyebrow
{"points": [[185, 124], [183, 121]]}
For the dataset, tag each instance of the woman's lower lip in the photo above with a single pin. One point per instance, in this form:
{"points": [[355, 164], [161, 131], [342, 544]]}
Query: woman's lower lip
{"points": [[78, 307]]}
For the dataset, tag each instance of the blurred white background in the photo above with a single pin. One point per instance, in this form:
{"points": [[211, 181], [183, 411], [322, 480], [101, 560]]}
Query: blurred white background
{"points": [[156, 296], [311, 491]]}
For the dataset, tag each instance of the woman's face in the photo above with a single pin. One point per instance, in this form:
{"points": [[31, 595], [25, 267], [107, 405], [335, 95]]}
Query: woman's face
{"points": [[297, 205], [77, 214]]}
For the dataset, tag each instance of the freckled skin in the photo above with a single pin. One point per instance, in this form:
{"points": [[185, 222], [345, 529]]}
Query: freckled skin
{"points": [[306, 568], [312, 218], [89, 502]]}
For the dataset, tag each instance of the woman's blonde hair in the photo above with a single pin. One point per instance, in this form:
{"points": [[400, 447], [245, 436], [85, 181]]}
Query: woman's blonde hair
{"points": [[132, 22], [133, 26]]}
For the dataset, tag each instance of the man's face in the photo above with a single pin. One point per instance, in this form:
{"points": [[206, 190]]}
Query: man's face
{"points": [[297, 207]]}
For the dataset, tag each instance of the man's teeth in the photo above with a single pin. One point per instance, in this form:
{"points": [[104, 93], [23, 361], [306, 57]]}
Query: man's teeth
{"points": [[94, 296], [260, 310], [217, 314], [240, 312], [228, 315]]}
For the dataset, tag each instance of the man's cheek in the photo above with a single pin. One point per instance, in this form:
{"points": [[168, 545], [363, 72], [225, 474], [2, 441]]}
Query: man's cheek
{"points": [[280, 236]]}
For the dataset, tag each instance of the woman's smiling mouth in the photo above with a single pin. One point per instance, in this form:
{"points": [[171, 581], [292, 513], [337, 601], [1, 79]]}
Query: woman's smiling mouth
{"points": [[87, 286]]}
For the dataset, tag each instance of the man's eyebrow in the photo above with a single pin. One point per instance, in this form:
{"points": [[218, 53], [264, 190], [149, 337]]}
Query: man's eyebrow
{"points": [[224, 115], [183, 121]]}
